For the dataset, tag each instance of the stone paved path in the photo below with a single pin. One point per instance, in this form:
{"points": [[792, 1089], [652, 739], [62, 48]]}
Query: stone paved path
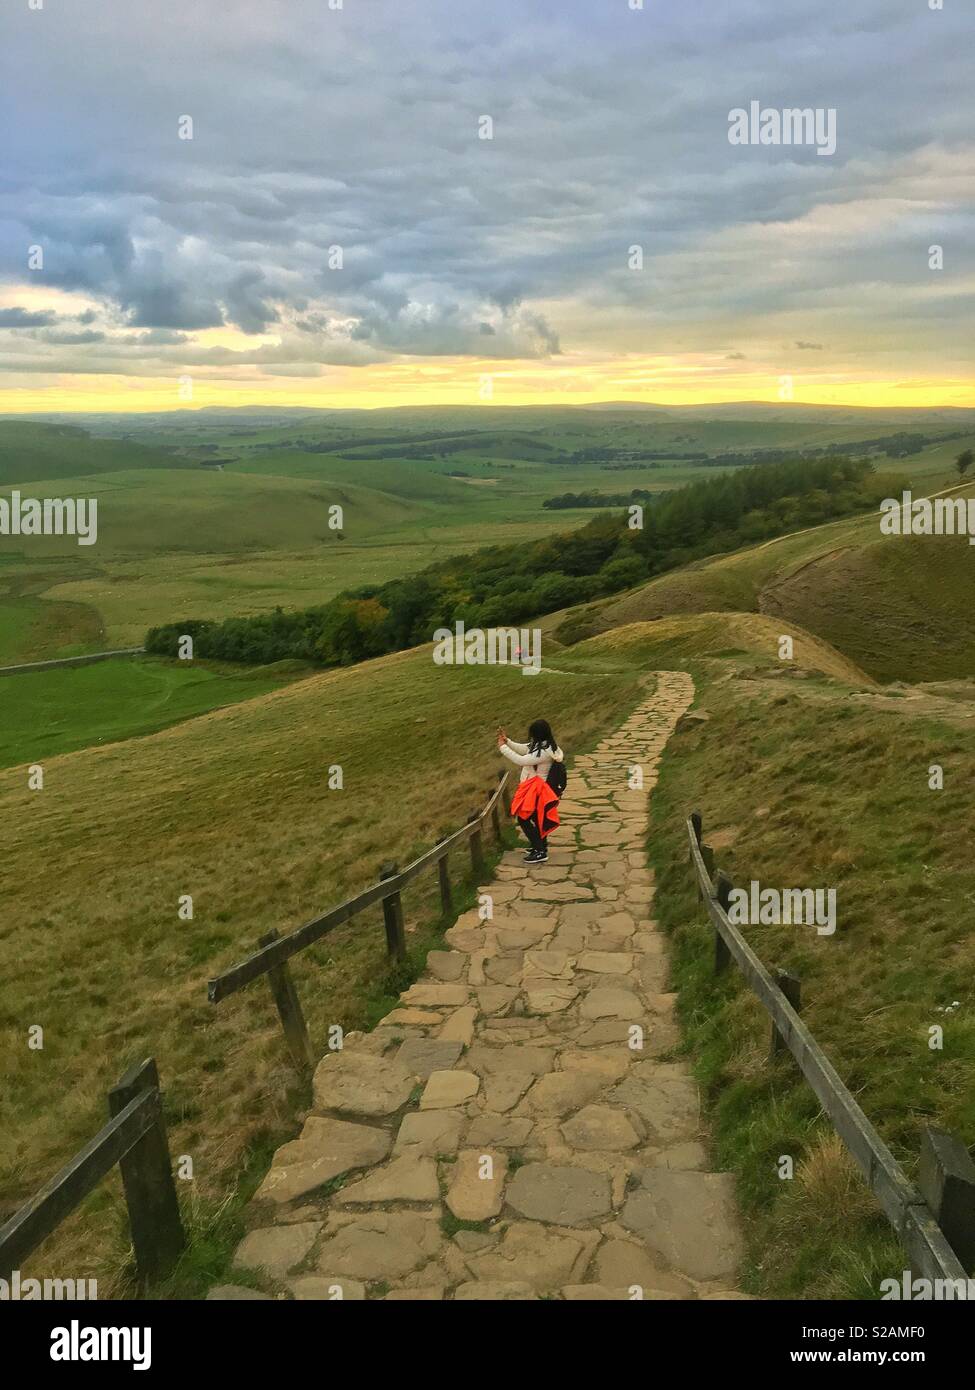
{"points": [[513, 1131]]}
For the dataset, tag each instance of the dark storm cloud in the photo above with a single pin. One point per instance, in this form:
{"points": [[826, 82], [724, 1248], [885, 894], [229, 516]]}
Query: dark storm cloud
{"points": [[357, 129]]}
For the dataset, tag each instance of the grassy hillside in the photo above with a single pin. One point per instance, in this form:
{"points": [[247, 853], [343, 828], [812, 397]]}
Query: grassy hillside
{"points": [[57, 711], [233, 808], [809, 776], [897, 607], [179, 539], [30, 452], [800, 785]]}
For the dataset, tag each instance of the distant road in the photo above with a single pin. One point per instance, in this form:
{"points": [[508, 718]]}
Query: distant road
{"points": [[68, 661]]}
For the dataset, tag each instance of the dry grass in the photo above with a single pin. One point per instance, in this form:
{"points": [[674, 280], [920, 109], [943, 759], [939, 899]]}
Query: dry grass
{"points": [[233, 808]]}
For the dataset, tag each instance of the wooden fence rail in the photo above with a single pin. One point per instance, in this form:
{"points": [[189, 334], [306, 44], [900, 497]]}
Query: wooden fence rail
{"points": [[135, 1139], [275, 951], [936, 1223]]}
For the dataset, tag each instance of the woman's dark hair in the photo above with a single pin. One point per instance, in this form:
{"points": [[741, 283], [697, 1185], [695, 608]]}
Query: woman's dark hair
{"points": [[540, 734]]}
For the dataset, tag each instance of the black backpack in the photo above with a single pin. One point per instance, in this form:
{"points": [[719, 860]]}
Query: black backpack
{"points": [[557, 778]]}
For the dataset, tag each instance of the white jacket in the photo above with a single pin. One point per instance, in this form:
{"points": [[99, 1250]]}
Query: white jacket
{"points": [[531, 763]]}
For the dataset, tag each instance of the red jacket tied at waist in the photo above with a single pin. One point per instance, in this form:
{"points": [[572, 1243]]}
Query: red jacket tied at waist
{"points": [[536, 797]]}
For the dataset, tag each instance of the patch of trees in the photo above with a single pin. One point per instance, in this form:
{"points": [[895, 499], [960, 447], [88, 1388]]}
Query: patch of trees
{"points": [[503, 586], [597, 499]]}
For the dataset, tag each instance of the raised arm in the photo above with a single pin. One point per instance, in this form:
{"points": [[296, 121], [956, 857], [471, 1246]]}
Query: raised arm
{"points": [[518, 747], [520, 759]]}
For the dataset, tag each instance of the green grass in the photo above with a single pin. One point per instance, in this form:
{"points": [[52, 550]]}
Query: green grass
{"points": [[897, 607], [800, 787], [233, 808], [177, 541], [46, 713]]}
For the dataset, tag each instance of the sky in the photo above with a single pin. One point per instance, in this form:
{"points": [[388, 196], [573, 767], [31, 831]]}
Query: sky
{"points": [[338, 231]]}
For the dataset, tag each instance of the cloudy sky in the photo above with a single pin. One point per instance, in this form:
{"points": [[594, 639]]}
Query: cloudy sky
{"points": [[338, 232]]}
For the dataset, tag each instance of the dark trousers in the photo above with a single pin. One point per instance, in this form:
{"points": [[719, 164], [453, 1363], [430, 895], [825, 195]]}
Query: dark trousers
{"points": [[531, 831]]}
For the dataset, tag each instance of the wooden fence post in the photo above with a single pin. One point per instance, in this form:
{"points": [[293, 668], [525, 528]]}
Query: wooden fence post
{"points": [[791, 987], [477, 848], [698, 825], [446, 896], [393, 917], [496, 816], [285, 996], [722, 891], [505, 794], [147, 1178], [707, 855], [947, 1182]]}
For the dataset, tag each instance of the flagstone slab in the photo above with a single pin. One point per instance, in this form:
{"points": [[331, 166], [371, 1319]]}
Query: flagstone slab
{"points": [[377, 1246], [559, 1092], [605, 962], [361, 1083], [520, 1057], [325, 1149], [559, 1195], [611, 1003], [550, 997], [666, 1099], [448, 966], [493, 1291], [459, 1027], [236, 1293], [321, 1289], [506, 969], [448, 1088], [546, 964], [496, 999], [504, 1131], [421, 1056], [611, 1063], [429, 1132], [436, 994], [628, 1263], [557, 893], [410, 1018], [476, 1189], [409, 1178], [533, 1254], [277, 1250], [601, 1127], [690, 1219], [504, 1089]]}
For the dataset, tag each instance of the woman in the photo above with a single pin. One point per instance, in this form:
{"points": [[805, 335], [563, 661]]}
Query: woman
{"points": [[534, 804]]}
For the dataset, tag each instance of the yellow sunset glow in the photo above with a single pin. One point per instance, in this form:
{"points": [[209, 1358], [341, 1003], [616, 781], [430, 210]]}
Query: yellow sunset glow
{"points": [[462, 381]]}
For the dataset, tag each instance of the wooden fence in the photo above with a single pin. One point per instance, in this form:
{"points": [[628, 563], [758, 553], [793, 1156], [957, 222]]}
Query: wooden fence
{"points": [[275, 951], [936, 1222], [135, 1139], [135, 1136]]}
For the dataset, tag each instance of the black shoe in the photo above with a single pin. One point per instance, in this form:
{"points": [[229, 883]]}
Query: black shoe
{"points": [[529, 854], [539, 857]]}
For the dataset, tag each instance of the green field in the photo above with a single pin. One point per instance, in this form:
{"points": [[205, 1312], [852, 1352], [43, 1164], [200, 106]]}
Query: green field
{"points": [[180, 540], [46, 713], [162, 781]]}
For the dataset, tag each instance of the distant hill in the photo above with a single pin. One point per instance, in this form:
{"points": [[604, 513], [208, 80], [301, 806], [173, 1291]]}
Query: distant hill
{"points": [[900, 608], [32, 452]]}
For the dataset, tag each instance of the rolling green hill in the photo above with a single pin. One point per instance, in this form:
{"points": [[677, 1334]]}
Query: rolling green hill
{"points": [[30, 452], [898, 607]]}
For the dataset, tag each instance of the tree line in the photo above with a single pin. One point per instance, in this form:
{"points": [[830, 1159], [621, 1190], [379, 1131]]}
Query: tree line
{"points": [[504, 585]]}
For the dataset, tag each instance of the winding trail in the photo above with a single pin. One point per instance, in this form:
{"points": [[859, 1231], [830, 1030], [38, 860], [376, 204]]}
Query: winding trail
{"points": [[513, 1130]]}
